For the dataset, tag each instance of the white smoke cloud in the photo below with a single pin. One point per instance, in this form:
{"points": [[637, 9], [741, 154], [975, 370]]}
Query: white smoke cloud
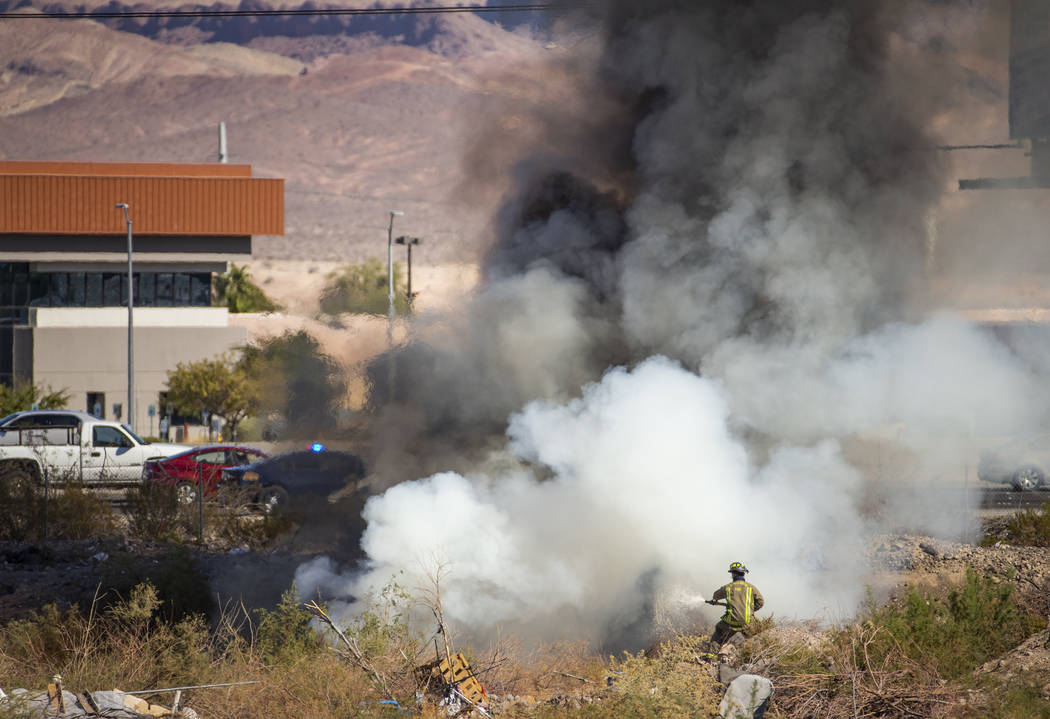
{"points": [[943, 376], [646, 480], [650, 492]]}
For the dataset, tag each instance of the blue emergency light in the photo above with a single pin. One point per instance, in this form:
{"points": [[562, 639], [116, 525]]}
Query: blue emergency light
{"points": [[316, 447]]}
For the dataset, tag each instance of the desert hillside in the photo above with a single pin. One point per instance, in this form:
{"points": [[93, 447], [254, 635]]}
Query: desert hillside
{"points": [[357, 124]]}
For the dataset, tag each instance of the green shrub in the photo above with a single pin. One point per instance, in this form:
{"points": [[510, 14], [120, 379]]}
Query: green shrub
{"points": [[386, 646], [383, 628], [26, 395], [176, 648], [22, 509], [973, 624], [152, 510], [132, 644], [300, 386], [759, 625], [1022, 697], [128, 644], [237, 529], [79, 513], [45, 638], [286, 634], [178, 580], [29, 512], [154, 513], [1030, 527], [671, 683], [362, 288]]}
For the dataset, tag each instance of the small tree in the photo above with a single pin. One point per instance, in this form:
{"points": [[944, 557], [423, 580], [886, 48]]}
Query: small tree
{"points": [[235, 289], [294, 377], [362, 288], [25, 395], [219, 386]]}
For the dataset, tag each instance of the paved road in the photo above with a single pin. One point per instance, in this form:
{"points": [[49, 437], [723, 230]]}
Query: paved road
{"points": [[993, 498]]}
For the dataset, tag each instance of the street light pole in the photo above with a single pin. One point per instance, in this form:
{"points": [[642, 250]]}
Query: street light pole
{"points": [[131, 324], [408, 242], [390, 277]]}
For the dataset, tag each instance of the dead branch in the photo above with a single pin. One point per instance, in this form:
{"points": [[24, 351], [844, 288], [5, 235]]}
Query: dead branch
{"points": [[353, 650]]}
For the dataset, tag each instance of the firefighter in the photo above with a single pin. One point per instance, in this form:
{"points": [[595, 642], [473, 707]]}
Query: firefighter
{"points": [[742, 600]]}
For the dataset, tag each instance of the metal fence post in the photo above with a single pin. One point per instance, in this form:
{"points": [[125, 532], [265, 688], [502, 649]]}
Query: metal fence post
{"points": [[200, 503], [47, 497]]}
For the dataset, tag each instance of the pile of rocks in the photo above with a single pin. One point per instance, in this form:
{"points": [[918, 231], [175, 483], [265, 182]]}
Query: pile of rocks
{"points": [[60, 703]]}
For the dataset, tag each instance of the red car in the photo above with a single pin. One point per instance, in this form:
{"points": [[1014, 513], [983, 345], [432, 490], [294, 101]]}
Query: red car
{"points": [[185, 469]]}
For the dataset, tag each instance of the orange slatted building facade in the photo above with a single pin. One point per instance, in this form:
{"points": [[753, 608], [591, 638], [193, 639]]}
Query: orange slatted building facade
{"points": [[165, 199], [64, 279]]}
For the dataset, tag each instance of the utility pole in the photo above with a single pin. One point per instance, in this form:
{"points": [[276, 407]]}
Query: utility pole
{"points": [[390, 304], [390, 278], [408, 242], [131, 323]]}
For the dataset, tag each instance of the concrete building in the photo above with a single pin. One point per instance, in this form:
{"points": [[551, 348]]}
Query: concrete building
{"points": [[63, 273]]}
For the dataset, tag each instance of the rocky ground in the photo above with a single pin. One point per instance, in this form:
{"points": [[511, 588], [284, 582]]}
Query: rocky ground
{"points": [[69, 572], [934, 566]]}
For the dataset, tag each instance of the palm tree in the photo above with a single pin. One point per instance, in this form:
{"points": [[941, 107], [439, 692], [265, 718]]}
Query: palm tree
{"points": [[235, 289]]}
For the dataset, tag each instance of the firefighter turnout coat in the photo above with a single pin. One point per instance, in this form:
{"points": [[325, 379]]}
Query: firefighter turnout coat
{"points": [[742, 600]]}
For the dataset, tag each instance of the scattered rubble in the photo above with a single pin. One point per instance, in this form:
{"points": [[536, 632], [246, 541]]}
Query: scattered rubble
{"points": [[58, 703], [931, 564], [1030, 657]]}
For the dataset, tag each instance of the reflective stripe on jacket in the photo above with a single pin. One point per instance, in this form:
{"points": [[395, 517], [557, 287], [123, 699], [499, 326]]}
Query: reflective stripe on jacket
{"points": [[742, 600]]}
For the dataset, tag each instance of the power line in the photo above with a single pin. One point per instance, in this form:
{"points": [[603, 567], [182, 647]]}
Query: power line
{"points": [[435, 10]]}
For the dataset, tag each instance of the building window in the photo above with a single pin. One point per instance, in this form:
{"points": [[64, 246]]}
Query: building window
{"points": [[103, 289], [182, 289], [165, 290], [146, 292], [7, 281], [96, 404], [20, 286], [200, 290], [111, 289], [77, 298], [38, 291], [93, 290]]}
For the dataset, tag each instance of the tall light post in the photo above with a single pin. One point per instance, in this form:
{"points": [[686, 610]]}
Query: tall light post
{"points": [[390, 277], [408, 242], [131, 324]]}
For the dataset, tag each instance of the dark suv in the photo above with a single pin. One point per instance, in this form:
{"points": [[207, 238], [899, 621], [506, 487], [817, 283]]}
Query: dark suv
{"points": [[310, 472]]}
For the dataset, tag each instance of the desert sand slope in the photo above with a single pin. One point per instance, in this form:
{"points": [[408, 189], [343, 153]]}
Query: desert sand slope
{"points": [[354, 135], [46, 61]]}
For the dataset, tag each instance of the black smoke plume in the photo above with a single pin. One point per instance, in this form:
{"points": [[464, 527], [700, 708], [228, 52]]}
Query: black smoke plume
{"points": [[759, 176]]}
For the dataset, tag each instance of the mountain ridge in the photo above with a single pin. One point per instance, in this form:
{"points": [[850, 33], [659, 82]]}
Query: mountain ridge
{"points": [[356, 125]]}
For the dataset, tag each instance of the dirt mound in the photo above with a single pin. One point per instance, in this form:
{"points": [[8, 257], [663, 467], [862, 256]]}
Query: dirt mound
{"points": [[933, 565], [1032, 657]]}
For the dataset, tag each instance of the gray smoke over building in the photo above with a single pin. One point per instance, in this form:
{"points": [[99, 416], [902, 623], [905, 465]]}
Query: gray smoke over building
{"points": [[687, 318]]}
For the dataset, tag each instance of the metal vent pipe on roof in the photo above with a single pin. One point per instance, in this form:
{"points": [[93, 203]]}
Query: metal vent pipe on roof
{"points": [[222, 142]]}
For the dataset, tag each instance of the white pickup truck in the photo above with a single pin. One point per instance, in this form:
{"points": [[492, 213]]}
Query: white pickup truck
{"points": [[65, 445]]}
